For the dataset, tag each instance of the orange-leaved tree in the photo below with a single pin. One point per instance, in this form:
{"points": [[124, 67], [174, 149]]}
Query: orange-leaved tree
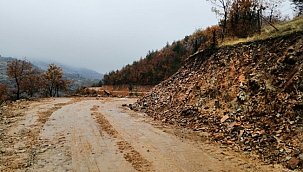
{"points": [[33, 83], [242, 20], [221, 8], [54, 81], [3, 93], [24, 76]]}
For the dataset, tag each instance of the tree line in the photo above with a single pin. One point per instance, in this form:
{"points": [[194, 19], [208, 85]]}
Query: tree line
{"points": [[158, 65], [243, 18], [27, 81], [237, 18]]}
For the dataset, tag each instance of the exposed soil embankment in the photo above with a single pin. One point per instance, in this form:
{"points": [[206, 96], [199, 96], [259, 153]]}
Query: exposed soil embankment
{"points": [[122, 90], [247, 96]]}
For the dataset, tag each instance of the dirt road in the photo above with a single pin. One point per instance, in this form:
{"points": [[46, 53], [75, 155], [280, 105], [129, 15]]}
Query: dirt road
{"points": [[67, 134]]}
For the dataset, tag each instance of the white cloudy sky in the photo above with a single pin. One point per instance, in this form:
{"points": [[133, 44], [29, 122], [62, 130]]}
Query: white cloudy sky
{"points": [[102, 35]]}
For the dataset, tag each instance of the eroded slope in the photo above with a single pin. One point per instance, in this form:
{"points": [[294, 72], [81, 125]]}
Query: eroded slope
{"points": [[247, 96]]}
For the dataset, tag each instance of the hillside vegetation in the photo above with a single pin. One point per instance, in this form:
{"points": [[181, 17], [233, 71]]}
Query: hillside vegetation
{"points": [[159, 65], [246, 96], [284, 28]]}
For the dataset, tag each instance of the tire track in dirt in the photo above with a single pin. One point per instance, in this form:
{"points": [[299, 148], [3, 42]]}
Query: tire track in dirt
{"points": [[43, 116], [20, 151], [83, 152], [134, 157], [168, 152], [129, 153], [89, 151], [94, 135], [71, 138], [105, 125]]}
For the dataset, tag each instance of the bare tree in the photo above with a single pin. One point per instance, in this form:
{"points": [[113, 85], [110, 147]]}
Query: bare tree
{"points": [[221, 8]]}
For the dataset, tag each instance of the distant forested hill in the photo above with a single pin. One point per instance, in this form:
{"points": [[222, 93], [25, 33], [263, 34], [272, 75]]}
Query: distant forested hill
{"points": [[161, 64]]}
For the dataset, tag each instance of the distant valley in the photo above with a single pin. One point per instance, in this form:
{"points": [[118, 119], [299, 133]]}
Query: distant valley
{"points": [[79, 76], [69, 70]]}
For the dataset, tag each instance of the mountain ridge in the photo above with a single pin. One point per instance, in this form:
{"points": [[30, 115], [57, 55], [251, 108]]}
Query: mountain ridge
{"points": [[67, 69], [78, 79]]}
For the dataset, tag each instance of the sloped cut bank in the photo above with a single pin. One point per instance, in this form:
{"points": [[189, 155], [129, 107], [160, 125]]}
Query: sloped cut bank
{"points": [[248, 96]]}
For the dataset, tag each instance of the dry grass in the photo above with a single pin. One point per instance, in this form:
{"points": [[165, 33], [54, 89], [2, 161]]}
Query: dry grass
{"points": [[268, 31]]}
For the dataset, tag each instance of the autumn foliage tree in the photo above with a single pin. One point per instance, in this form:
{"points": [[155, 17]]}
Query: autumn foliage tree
{"points": [[160, 64], [25, 77], [156, 66], [33, 83], [241, 18], [54, 81], [221, 9], [213, 34], [3, 93]]}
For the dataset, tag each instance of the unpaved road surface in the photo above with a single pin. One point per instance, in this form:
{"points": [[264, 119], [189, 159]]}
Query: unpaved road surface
{"points": [[69, 134]]}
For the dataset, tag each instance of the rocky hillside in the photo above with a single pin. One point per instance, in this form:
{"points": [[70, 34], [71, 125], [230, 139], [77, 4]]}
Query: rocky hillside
{"points": [[247, 96]]}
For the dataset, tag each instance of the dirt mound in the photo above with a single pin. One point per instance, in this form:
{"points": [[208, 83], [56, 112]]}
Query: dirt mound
{"points": [[247, 96]]}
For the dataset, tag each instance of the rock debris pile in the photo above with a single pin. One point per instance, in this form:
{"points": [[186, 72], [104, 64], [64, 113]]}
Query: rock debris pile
{"points": [[247, 96]]}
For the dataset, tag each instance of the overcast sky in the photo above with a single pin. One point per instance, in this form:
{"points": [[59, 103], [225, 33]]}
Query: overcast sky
{"points": [[102, 35]]}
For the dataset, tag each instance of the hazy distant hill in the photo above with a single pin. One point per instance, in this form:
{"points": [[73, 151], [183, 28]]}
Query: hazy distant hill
{"points": [[3, 74], [79, 76], [69, 70]]}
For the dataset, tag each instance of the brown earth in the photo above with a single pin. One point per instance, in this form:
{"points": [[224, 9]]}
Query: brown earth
{"points": [[99, 134], [248, 97], [121, 90]]}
